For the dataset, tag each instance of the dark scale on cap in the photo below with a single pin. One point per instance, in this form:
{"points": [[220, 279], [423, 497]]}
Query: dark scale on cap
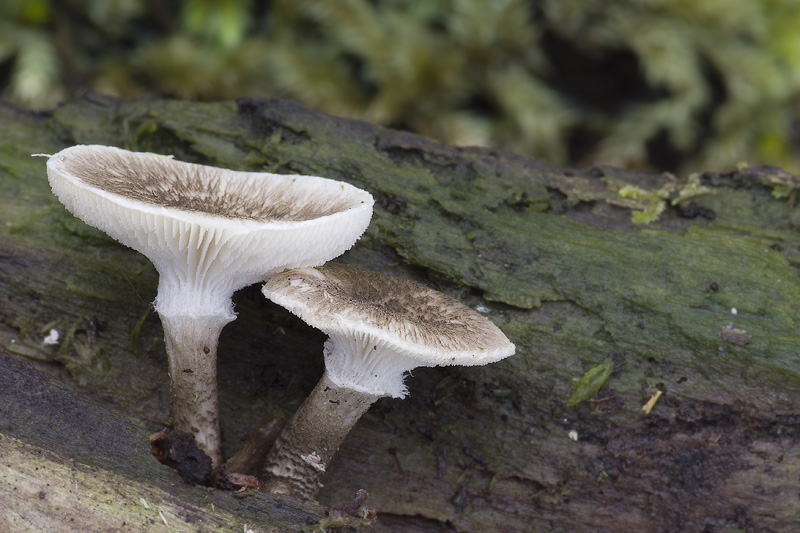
{"points": [[421, 315], [161, 181]]}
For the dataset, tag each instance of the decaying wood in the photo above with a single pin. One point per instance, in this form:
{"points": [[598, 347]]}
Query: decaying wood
{"points": [[69, 464], [700, 305]]}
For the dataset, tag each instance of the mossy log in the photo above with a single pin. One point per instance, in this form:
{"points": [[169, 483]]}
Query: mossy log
{"points": [[698, 306]]}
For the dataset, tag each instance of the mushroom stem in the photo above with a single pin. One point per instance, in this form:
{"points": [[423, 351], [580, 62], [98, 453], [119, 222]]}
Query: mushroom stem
{"points": [[191, 343], [311, 438]]}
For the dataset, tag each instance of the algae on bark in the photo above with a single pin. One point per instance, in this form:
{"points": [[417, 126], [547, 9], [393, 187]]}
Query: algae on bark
{"points": [[549, 254]]}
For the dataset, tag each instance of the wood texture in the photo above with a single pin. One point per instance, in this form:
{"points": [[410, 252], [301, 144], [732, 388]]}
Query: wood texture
{"points": [[701, 305]]}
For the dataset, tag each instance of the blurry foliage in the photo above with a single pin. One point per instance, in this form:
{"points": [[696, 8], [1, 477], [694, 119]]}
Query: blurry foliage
{"points": [[28, 51], [678, 85]]}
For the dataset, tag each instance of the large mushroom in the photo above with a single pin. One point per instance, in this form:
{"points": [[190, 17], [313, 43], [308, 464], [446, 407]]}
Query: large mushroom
{"points": [[379, 328], [208, 231]]}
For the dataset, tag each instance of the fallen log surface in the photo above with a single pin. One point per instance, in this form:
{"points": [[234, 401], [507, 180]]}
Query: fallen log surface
{"points": [[69, 464], [692, 315]]}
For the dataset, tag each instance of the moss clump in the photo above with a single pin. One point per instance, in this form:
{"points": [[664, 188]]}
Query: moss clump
{"points": [[648, 205]]}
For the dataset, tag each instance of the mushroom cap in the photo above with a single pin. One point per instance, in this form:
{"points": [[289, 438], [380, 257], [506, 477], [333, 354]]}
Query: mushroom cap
{"points": [[208, 230], [375, 312]]}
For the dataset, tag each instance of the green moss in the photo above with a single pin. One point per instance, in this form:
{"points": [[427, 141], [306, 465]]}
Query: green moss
{"points": [[649, 205], [550, 256], [96, 284]]}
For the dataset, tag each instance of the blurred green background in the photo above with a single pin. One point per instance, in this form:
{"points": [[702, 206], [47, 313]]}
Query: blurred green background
{"points": [[665, 85]]}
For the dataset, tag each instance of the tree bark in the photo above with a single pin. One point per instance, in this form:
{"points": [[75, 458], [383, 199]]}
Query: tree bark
{"points": [[700, 305]]}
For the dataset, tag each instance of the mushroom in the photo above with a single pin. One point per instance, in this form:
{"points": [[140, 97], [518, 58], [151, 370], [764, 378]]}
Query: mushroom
{"points": [[379, 328], [208, 231]]}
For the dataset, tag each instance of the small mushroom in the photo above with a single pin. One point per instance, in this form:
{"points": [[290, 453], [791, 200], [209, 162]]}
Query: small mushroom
{"points": [[379, 328], [209, 232]]}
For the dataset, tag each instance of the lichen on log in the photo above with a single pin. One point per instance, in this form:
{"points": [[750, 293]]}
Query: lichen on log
{"points": [[549, 254]]}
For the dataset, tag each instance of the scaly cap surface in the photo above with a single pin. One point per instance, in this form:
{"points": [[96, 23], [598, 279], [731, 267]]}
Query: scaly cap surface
{"points": [[381, 326]]}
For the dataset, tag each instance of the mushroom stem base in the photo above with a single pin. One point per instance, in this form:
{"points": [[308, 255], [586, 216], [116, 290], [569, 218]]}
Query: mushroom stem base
{"points": [[308, 442], [191, 343]]}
